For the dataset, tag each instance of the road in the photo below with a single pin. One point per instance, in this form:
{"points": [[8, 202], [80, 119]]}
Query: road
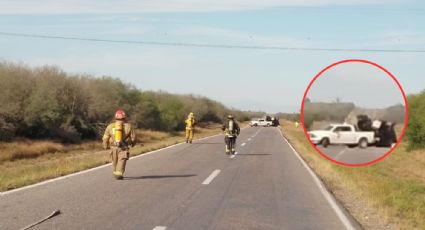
{"points": [[354, 155], [188, 186]]}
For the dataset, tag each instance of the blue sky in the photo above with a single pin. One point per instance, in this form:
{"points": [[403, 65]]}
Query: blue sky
{"points": [[268, 80]]}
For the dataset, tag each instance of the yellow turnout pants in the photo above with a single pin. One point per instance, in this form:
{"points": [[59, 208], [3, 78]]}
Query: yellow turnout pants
{"points": [[119, 159], [189, 134]]}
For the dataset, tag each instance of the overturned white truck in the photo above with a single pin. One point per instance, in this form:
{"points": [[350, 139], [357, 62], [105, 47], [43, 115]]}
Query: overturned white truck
{"points": [[366, 133]]}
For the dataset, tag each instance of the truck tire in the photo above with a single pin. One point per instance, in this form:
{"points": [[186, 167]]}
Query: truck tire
{"points": [[363, 143], [325, 142]]}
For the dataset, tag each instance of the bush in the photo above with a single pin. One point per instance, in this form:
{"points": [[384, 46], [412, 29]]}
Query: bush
{"points": [[46, 102], [416, 126]]}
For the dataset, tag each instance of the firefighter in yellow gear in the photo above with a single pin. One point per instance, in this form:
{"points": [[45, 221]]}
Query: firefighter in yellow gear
{"points": [[297, 124], [119, 137], [190, 123], [231, 131]]}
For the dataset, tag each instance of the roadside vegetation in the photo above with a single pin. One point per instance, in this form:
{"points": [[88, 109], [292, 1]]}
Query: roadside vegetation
{"points": [[338, 112]]}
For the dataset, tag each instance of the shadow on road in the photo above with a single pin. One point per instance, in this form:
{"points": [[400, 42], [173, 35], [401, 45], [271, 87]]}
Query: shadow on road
{"points": [[158, 176], [209, 143]]}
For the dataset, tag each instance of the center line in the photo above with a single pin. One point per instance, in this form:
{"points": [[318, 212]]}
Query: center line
{"points": [[243, 144], [340, 153], [159, 228], [249, 139], [211, 177]]}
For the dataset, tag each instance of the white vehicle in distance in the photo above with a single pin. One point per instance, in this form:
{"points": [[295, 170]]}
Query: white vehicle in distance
{"points": [[342, 134], [260, 122]]}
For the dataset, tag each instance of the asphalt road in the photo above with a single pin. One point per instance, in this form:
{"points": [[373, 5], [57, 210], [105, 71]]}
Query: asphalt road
{"points": [[354, 155], [188, 186]]}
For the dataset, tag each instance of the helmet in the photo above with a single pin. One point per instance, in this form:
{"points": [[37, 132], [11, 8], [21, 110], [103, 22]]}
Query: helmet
{"points": [[230, 116], [190, 114], [120, 114]]}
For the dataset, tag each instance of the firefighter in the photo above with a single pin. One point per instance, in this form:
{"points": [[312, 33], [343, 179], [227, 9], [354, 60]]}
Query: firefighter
{"points": [[190, 122], [231, 131], [297, 124], [119, 137]]}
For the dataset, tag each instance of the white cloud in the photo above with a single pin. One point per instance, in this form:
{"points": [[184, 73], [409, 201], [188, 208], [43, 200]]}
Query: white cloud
{"points": [[240, 37], [134, 6]]}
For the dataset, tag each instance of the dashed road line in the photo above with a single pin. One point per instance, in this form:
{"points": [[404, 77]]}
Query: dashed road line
{"points": [[243, 144], [159, 228], [249, 139], [211, 177], [340, 153]]}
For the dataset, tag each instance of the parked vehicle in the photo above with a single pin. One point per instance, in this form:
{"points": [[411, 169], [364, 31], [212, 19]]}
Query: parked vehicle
{"points": [[345, 134], [275, 121], [385, 135], [260, 122], [379, 133]]}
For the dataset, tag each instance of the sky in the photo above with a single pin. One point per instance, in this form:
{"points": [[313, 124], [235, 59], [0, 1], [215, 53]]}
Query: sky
{"points": [[271, 80], [366, 85]]}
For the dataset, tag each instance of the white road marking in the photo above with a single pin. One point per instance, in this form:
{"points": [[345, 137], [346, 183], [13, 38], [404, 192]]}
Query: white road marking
{"points": [[159, 228], [249, 139], [233, 156], [340, 153], [331, 200], [211, 177], [243, 144], [255, 134]]}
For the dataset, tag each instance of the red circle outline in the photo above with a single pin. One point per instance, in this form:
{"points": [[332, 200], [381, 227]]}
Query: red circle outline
{"points": [[406, 119]]}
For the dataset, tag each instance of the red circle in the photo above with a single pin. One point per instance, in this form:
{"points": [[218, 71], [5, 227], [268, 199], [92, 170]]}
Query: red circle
{"points": [[389, 74]]}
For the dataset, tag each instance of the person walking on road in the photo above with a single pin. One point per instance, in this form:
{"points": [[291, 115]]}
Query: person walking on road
{"points": [[231, 131], [119, 137], [190, 122]]}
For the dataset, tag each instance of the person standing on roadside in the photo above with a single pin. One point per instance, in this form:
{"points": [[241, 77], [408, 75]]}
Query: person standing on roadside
{"points": [[190, 123]]}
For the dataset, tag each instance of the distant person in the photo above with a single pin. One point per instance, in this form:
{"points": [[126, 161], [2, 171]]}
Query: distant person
{"points": [[231, 131], [297, 124], [190, 123], [119, 137]]}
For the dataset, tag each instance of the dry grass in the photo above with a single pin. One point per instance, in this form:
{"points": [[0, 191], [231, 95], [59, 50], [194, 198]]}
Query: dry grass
{"points": [[394, 188], [63, 160], [27, 149]]}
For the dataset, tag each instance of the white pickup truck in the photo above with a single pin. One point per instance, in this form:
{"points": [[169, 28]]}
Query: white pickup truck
{"points": [[343, 134], [260, 122]]}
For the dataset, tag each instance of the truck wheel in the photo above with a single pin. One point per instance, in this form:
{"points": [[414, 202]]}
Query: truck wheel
{"points": [[325, 142], [363, 143]]}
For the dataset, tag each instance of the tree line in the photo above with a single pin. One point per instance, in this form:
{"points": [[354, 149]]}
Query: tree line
{"points": [[46, 102]]}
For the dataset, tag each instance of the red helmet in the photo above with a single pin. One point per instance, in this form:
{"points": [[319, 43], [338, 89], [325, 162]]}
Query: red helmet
{"points": [[120, 114]]}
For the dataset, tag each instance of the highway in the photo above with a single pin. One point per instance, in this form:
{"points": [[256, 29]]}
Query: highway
{"points": [[187, 186], [356, 155]]}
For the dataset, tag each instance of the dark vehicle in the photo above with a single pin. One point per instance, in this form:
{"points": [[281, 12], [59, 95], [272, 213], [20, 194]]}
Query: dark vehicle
{"points": [[384, 131]]}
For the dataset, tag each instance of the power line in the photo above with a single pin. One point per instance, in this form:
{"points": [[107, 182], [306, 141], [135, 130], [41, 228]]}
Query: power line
{"points": [[209, 45]]}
